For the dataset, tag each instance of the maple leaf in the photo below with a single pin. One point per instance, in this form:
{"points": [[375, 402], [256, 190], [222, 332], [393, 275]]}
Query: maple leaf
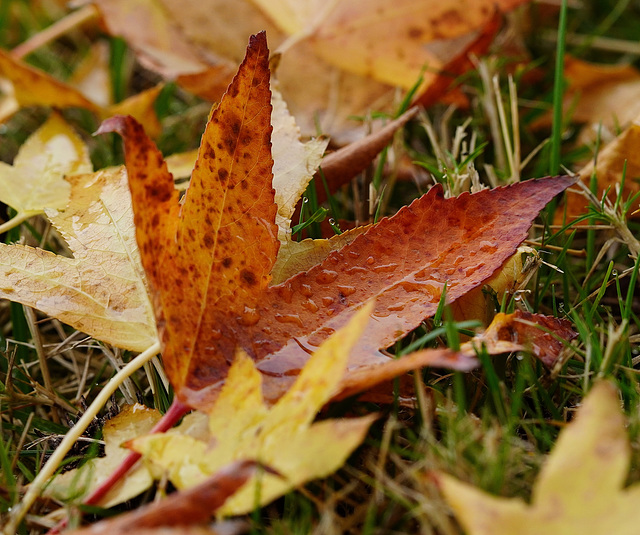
{"points": [[282, 436], [336, 45], [579, 489], [209, 260], [102, 289], [37, 178]]}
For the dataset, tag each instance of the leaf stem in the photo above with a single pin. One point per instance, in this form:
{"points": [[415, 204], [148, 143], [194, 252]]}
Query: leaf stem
{"points": [[48, 470], [15, 221], [176, 411], [56, 30]]}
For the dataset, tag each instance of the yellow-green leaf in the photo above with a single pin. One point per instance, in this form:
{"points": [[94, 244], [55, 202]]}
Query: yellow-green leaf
{"points": [[282, 437], [580, 488], [36, 180], [133, 421]]}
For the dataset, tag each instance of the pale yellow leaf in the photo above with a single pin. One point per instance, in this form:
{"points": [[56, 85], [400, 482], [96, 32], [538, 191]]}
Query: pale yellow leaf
{"points": [[294, 162], [282, 437], [102, 289], [579, 490], [294, 257], [133, 421], [36, 179]]}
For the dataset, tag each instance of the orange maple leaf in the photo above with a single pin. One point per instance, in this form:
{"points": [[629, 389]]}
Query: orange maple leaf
{"points": [[209, 259]]}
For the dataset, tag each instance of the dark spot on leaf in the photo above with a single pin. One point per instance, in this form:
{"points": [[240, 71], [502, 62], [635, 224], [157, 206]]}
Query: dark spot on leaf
{"points": [[223, 174], [208, 240], [249, 277], [226, 262]]}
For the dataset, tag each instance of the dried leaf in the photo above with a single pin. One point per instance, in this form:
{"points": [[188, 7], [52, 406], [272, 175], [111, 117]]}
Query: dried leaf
{"points": [[102, 290], [339, 167], [133, 421], [335, 45], [295, 257], [619, 156], [282, 437], [33, 87], [36, 179], [579, 489], [220, 248], [184, 509], [524, 330]]}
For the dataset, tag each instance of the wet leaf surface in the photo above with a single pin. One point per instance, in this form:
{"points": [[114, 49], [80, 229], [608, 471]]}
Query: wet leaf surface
{"points": [[209, 261]]}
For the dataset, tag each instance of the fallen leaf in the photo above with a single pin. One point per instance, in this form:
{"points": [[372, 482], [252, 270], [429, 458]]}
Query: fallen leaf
{"points": [[339, 167], [102, 289], [537, 333], [282, 437], [580, 488], [295, 257], [617, 157], [598, 94], [181, 509], [131, 422], [33, 87], [37, 178], [219, 247], [334, 45]]}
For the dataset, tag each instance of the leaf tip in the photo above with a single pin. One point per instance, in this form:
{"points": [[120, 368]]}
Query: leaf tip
{"points": [[117, 123]]}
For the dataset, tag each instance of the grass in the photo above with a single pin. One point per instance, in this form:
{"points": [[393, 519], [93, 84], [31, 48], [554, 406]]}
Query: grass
{"points": [[492, 427]]}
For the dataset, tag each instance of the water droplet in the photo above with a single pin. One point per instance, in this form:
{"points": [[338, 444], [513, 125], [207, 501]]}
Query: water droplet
{"points": [[249, 316], [310, 305], [355, 269], [354, 254], [488, 247], [396, 308], [332, 221], [370, 260], [614, 272], [326, 301], [326, 276], [305, 200], [386, 268], [215, 334], [347, 290], [289, 318], [306, 290], [286, 292], [334, 258]]}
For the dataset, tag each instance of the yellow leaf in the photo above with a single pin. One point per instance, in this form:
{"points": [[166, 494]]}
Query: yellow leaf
{"points": [[102, 289], [36, 179], [579, 490], [282, 437], [133, 421]]}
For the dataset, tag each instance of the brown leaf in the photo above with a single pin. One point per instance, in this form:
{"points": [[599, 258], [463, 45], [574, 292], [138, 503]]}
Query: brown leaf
{"points": [[339, 167], [534, 332], [209, 262], [186, 508]]}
